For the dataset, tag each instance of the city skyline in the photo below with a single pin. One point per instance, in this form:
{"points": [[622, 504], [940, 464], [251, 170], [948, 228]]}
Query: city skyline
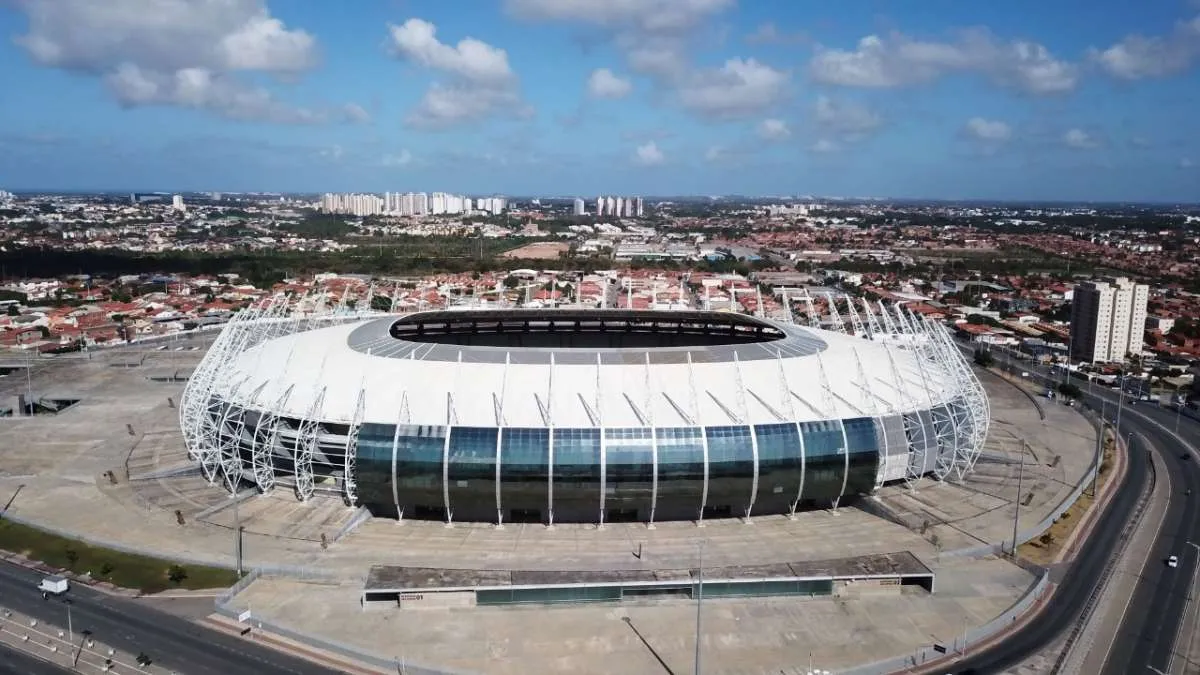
{"points": [[527, 97]]}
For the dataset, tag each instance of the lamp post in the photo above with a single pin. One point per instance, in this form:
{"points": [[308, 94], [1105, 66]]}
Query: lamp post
{"points": [[699, 603]]}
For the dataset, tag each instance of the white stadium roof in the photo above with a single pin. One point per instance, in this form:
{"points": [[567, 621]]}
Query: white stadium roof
{"points": [[809, 375]]}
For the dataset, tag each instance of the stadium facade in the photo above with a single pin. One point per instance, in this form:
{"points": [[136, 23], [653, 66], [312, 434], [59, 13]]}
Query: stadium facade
{"points": [[582, 415]]}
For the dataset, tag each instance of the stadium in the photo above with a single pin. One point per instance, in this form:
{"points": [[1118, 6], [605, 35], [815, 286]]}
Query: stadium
{"points": [[582, 415]]}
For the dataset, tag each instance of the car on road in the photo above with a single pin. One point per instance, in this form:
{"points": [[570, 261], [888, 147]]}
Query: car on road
{"points": [[1185, 456], [1173, 561]]}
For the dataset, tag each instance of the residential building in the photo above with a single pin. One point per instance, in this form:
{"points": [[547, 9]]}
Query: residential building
{"points": [[578, 207], [1108, 318]]}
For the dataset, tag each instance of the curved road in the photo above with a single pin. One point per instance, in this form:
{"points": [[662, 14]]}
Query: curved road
{"points": [[1151, 623]]}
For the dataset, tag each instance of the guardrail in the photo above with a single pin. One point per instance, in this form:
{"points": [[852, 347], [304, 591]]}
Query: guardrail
{"points": [[1089, 606]]}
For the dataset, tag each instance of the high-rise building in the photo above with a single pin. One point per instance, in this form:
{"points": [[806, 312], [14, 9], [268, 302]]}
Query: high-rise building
{"points": [[639, 211], [177, 203], [1108, 318], [599, 206], [579, 211], [619, 209], [610, 206]]}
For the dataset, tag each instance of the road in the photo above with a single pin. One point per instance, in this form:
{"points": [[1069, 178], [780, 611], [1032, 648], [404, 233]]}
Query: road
{"points": [[14, 662], [1151, 624], [170, 641]]}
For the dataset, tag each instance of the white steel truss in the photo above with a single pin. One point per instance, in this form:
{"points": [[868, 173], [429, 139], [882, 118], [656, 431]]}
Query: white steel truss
{"points": [[227, 421]]}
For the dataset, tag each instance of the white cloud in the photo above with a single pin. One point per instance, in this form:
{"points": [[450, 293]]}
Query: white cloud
{"points": [[992, 131], [648, 154], [1186, 163], [769, 34], [1079, 140], [656, 37], [641, 15], [714, 153], [1138, 57], [333, 153], [482, 82], [898, 60], [737, 89], [355, 113], [471, 59], [773, 129], [824, 146], [405, 158], [847, 120], [602, 83], [185, 53]]}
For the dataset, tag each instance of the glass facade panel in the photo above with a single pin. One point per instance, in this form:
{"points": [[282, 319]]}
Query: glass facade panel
{"points": [[862, 439], [680, 472], [577, 474], [373, 468], [778, 467], [419, 470], [472, 473], [630, 477], [824, 449], [730, 470], [525, 474]]}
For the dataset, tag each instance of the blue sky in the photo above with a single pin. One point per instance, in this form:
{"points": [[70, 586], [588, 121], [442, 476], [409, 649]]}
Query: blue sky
{"points": [[1071, 99]]}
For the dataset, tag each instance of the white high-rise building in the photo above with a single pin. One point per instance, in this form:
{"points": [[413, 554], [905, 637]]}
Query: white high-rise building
{"points": [[639, 211], [579, 210], [1107, 320], [610, 206], [619, 210], [599, 206], [177, 203]]}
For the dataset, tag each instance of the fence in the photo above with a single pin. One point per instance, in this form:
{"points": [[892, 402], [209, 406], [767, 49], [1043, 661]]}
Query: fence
{"points": [[960, 643], [393, 664]]}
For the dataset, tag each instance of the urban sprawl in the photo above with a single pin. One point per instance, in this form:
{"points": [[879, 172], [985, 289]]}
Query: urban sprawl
{"points": [[1113, 292]]}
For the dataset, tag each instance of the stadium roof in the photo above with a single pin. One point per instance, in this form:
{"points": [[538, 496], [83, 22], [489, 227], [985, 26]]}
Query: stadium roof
{"points": [[807, 374]]}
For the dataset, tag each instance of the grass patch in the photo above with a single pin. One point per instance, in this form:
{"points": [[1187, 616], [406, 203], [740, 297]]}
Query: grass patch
{"points": [[1043, 549], [144, 573]]}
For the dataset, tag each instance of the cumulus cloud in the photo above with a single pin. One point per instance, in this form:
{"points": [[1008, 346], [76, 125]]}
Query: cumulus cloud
{"points": [[773, 130], [897, 60], [1139, 57], [739, 88], [603, 83], [824, 146], [186, 53], [644, 15], [1079, 140], [648, 154], [656, 36], [481, 81], [404, 158], [848, 121], [769, 34], [991, 131], [1186, 163]]}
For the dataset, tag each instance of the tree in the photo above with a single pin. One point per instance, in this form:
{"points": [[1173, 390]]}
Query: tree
{"points": [[176, 574], [511, 281], [14, 310], [1069, 390], [381, 303], [984, 358]]}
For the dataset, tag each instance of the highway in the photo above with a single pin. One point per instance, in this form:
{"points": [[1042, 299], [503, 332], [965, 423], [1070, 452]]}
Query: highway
{"points": [[170, 641], [1151, 623], [15, 662]]}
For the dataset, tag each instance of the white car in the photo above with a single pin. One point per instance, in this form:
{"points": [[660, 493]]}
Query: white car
{"points": [[1173, 561]]}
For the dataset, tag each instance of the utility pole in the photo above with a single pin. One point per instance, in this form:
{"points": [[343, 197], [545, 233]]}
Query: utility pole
{"points": [[237, 534], [1017, 510], [699, 604], [1120, 404], [1099, 451]]}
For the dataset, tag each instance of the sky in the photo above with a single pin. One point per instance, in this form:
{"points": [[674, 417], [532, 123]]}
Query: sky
{"points": [[1022, 99]]}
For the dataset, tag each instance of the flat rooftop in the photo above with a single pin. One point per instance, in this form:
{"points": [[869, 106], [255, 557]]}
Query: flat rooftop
{"points": [[394, 578]]}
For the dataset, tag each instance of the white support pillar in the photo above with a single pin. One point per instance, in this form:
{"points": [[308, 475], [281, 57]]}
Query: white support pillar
{"points": [[745, 413], [653, 444], [400, 421], [550, 456]]}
